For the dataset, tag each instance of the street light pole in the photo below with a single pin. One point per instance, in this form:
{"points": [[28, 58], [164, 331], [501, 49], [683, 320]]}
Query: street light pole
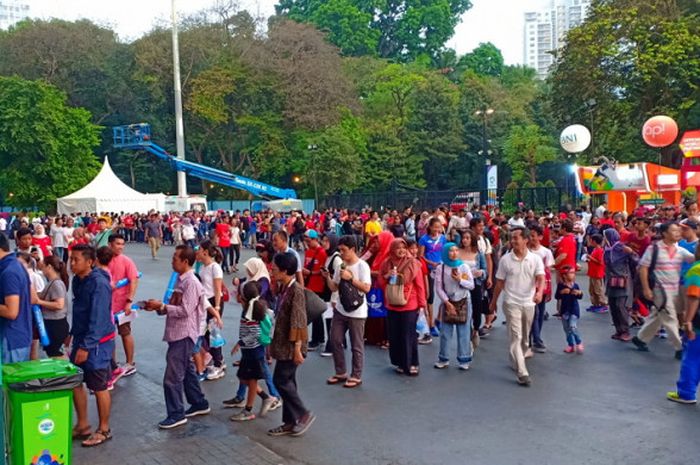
{"points": [[486, 112], [179, 125], [312, 148]]}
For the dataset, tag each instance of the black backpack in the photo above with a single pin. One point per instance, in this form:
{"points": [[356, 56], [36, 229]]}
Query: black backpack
{"points": [[350, 297]]}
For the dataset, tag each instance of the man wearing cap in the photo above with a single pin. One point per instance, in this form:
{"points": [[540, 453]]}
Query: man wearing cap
{"points": [[314, 259]]}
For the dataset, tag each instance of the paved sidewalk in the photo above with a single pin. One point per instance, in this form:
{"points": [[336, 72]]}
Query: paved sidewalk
{"points": [[138, 406]]}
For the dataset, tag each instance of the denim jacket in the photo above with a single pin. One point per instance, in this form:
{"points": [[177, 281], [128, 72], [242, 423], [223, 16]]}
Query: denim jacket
{"points": [[92, 309]]}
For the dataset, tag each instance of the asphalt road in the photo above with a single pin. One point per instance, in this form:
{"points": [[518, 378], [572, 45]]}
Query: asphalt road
{"points": [[607, 406]]}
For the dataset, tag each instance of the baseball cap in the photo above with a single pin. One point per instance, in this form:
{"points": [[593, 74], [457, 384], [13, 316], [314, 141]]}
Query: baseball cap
{"points": [[688, 223], [311, 234]]}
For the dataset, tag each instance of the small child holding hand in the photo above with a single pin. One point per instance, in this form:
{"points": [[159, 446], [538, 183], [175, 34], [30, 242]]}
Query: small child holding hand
{"points": [[569, 293]]}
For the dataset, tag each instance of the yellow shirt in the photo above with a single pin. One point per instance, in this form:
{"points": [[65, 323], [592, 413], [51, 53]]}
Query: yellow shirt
{"points": [[372, 228]]}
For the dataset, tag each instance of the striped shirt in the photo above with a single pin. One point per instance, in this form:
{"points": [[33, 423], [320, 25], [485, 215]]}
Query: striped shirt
{"points": [[183, 319], [667, 271], [249, 334]]}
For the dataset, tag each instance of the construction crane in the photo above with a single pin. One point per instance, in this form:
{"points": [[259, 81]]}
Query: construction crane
{"points": [[138, 137]]}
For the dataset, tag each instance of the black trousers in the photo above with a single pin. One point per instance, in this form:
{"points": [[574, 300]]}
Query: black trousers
{"points": [[403, 339], [479, 305], [284, 379]]}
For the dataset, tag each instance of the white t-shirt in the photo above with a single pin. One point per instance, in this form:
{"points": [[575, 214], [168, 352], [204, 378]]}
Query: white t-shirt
{"points": [[68, 234], [235, 235], [546, 254], [3, 224], [520, 277], [208, 273], [361, 272], [58, 238], [516, 222], [484, 245]]}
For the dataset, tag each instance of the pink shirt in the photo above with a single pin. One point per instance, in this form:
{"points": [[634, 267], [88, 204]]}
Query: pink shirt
{"points": [[121, 267]]}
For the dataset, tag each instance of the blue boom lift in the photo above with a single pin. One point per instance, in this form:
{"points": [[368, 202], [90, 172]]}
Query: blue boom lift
{"points": [[138, 137]]}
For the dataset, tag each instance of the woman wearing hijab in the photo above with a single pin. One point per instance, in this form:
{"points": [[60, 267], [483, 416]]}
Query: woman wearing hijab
{"points": [[401, 320], [453, 281], [377, 252], [619, 260]]}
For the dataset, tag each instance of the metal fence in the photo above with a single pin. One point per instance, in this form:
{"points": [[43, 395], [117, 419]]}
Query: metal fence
{"points": [[537, 198]]}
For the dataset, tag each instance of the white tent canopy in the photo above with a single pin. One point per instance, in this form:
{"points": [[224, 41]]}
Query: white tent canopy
{"points": [[107, 193]]}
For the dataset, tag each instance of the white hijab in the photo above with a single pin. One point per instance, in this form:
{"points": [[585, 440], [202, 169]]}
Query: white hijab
{"points": [[256, 269]]}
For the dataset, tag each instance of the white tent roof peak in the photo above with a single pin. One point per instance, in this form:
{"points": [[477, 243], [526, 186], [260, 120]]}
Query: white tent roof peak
{"points": [[106, 185]]}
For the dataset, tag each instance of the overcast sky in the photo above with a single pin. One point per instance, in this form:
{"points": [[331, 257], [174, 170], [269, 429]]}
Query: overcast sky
{"points": [[496, 21]]}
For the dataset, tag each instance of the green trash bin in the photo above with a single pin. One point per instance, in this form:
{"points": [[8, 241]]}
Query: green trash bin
{"points": [[38, 411]]}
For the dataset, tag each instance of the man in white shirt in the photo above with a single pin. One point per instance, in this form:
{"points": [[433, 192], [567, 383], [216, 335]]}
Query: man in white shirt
{"points": [[516, 220], [600, 211], [457, 224], [355, 272], [535, 246], [520, 277]]}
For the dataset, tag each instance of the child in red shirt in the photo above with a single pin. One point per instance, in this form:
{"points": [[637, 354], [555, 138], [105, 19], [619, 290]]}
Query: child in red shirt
{"points": [[596, 275]]}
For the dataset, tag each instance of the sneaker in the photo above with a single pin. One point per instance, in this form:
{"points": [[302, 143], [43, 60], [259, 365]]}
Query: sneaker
{"points": [[110, 385], [675, 397], [201, 377], [117, 374], [662, 334], [679, 355], [529, 354], [539, 348], [641, 345], [266, 406], [195, 411], [213, 373], [524, 380], [284, 430], [434, 331], [236, 402], [425, 340], [603, 309], [592, 309], [170, 423], [313, 346], [579, 348], [129, 369], [303, 425], [625, 337], [326, 354], [243, 415], [277, 403], [569, 350], [440, 364], [483, 332], [464, 366]]}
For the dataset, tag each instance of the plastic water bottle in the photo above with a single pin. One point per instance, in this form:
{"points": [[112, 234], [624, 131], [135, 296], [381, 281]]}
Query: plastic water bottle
{"points": [[41, 329], [124, 281], [394, 276], [171, 287]]}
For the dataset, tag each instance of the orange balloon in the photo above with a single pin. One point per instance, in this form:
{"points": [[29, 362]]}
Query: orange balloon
{"points": [[660, 131]]}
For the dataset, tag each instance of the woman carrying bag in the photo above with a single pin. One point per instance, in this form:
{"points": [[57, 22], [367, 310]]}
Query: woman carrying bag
{"points": [[453, 281], [404, 289]]}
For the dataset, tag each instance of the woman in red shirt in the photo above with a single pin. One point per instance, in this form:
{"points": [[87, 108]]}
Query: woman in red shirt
{"points": [[41, 240], [223, 232]]}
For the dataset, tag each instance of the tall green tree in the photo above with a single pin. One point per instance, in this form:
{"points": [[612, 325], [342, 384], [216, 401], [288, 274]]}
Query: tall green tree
{"points": [[402, 30], [627, 62], [525, 149], [45, 145], [485, 60]]}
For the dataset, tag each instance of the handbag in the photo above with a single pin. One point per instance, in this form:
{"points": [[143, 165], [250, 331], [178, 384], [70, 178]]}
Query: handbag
{"points": [[460, 315], [395, 294]]}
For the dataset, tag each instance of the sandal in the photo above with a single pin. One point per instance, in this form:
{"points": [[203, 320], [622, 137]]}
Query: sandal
{"points": [[82, 434], [413, 371], [97, 438], [352, 383], [335, 379]]}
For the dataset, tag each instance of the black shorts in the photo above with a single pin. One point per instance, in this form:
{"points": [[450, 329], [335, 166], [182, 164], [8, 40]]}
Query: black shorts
{"points": [[58, 331], [251, 366], [97, 380]]}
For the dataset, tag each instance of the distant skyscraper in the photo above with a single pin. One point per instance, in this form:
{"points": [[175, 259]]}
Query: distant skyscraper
{"points": [[12, 11], [545, 31]]}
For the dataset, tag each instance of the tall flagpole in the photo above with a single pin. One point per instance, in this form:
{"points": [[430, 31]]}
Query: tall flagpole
{"points": [[179, 126]]}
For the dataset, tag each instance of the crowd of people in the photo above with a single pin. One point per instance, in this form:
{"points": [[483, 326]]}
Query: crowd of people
{"points": [[394, 279]]}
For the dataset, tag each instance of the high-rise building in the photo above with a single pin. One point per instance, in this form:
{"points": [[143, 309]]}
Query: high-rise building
{"points": [[545, 31], [12, 11]]}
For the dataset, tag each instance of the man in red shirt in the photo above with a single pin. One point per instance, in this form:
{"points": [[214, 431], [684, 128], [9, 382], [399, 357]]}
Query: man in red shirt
{"points": [[315, 259], [606, 220], [639, 239], [121, 267], [619, 225]]}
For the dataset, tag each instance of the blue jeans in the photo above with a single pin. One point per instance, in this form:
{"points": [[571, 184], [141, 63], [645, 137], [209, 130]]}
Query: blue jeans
{"points": [[570, 329], [243, 388], [537, 323], [464, 348], [15, 355], [689, 377], [180, 375]]}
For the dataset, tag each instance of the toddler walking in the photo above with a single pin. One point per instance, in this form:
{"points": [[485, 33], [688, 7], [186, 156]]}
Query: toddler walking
{"points": [[568, 294]]}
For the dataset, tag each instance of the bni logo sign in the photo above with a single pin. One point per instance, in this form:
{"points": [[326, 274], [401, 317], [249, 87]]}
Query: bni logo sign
{"points": [[46, 426]]}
